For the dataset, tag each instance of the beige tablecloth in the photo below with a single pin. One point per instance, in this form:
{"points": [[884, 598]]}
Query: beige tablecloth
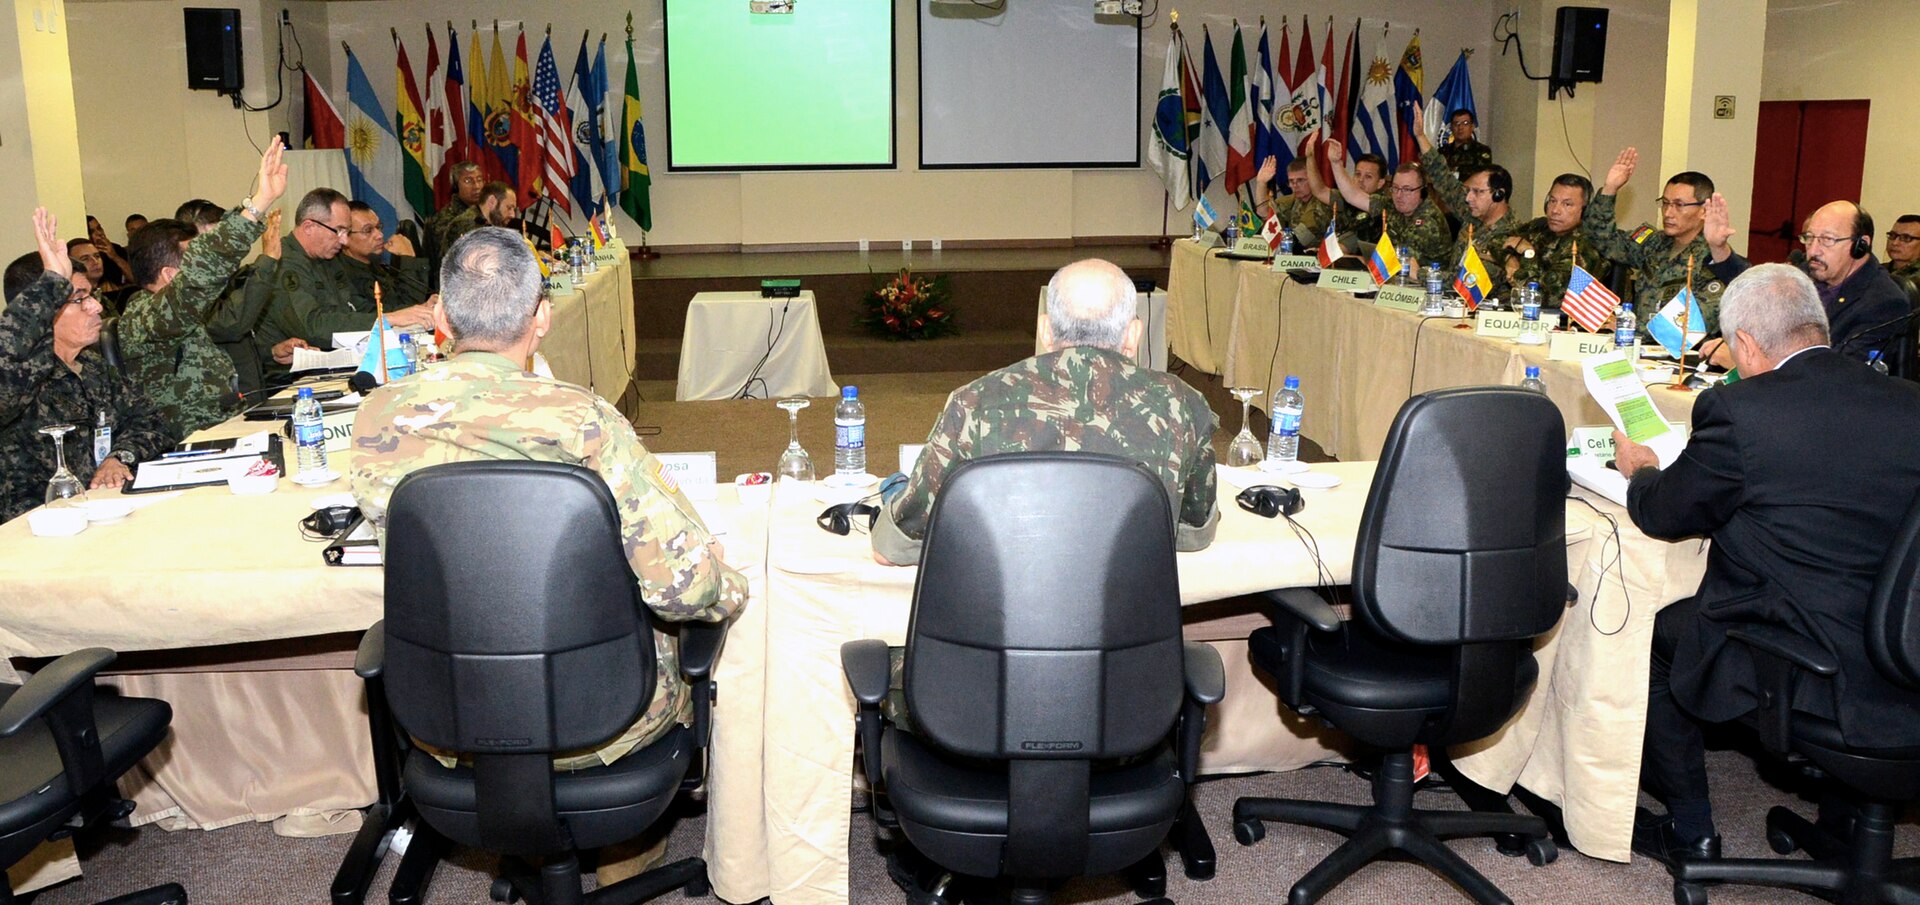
{"points": [[592, 338], [733, 338], [1200, 302]]}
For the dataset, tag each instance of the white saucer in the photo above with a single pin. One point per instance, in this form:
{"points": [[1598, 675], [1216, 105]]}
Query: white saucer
{"points": [[316, 478], [1271, 467], [102, 512], [1314, 480]]}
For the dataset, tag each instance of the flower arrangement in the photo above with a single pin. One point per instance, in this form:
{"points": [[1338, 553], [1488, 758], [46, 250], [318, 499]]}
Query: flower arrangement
{"points": [[910, 307]]}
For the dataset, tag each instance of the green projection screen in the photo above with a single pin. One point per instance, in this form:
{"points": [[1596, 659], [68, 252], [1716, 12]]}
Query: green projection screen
{"points": [[810, 89]]}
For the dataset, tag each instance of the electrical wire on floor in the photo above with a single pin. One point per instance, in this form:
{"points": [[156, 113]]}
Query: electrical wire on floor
{"points": [[1617, 564], [773, 339], [1413, 363]]}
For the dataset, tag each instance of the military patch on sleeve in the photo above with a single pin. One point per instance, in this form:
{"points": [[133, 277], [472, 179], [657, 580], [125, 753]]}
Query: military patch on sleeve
{"points": [[666, 480], [1641, 235], [1715, 286], [290, 282]]}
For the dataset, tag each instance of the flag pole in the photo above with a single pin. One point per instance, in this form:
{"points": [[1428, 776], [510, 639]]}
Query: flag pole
{"points": [[645, 252], [1680, 373], [380, 330]]}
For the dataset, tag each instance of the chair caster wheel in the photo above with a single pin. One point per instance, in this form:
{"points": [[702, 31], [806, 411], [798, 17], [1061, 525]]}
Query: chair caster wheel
{"points": [[698, 888], [1778, 839], [1542, 852], [502, 891], [1689, 894], [1249, 830], [1512, 845]]}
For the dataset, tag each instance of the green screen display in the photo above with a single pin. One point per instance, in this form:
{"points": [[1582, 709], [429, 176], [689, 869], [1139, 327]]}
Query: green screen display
{"points": [[810, 88]]}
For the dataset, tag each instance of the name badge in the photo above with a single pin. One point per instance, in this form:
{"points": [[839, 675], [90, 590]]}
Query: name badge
{"points": [[1252, 245], [1499, 324], [1295, 262], [1574, 346], [1401, 298], [1346, 280], [339, 429], [697, 474]]}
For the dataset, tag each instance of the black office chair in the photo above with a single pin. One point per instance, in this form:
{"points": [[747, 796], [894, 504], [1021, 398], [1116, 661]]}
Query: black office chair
{"points": [[109, 343], [1461, 561], [1045, 678], [62, 748], [1854, 867], [1907, 362], [514, 631]]}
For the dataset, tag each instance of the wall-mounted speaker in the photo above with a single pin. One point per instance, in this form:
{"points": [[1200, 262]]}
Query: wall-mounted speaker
{"points": [[1579, 47], [213, 50]]}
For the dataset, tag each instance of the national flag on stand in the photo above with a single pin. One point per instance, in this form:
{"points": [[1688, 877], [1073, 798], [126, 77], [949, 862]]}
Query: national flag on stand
{"points": [[1266, 141], [553, 129], [1281, 136], [1455, 93], [1471, 281], [634, 179], [597, 228], [1247, 221], [1329, 250], [607, 158], [586, 143], [410, 127], [556, 239], [1300, 117], [373, 153], [1352, 61], [1665, 326], [1385, 262], [1375, 120], [479, 97], [441, 134], [1168, 155], [1408, 82], [1589, 302], [530, 151], [1327, 83], [1191, 101], [1273, 232], [1240, 162], [1211, 148], [321, 125], [1203, 215]]}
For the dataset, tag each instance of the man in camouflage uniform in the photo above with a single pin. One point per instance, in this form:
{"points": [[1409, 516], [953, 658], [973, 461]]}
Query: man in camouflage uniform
{"points": [[1085, 393], [312, 298], [237, 317], [183, 275], [1352, 221], [1659, 257], [462, 212], [1300, 213], [368, 259], [50, 373], [1462, 152], [1903, 248], [483, 404], [1542, 250], [1418, 228]]}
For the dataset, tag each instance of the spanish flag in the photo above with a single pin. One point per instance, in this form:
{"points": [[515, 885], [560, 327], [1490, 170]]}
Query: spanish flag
{"points": [[1472, 280]]}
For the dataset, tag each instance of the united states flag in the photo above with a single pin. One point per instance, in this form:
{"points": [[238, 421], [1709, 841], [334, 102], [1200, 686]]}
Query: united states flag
{"points": [[1589, 302], [555, 129]]}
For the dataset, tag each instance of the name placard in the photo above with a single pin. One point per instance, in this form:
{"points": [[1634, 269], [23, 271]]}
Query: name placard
{"points": [[1593, 442], [1499, 324], [339, 429], [609, 254], [1346, 280], [1252, 245], [1295, 262], [696, 473], [559, 284], [1401, 298], [1207, 239], [1573, 346]]}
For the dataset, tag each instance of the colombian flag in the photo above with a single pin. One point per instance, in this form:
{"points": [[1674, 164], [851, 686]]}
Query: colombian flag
{"points": [[1385, 262], [1471, 281]]}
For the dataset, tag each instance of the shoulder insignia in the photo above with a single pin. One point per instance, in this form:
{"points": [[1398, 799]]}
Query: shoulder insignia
{"points": [[666, 480], [290, 281], [1641, 235], [1715, 286]]}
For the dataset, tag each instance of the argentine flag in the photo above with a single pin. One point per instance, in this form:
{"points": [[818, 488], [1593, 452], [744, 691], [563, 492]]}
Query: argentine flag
{"points": [[1203, 215]]}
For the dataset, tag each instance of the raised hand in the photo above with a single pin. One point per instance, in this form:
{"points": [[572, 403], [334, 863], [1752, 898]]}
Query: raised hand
{"points": [[1268, 168], [53, 252], [1718, 229], [273, 176], [1621, 171], [270, 237], [1335, 154]]}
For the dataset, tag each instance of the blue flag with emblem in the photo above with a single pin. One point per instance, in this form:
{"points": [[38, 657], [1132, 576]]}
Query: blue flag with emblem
{"points": [[1665, 326], [373, 153], [1203, 215]]}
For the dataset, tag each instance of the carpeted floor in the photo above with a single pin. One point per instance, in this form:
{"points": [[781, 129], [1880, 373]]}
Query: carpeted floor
{"points": [[248, 865]]}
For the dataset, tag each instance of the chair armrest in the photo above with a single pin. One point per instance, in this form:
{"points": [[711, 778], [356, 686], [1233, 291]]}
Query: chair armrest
{"points": [[1206, 677], [700, 644], [865, 664], [1792, 647], [371, 659], [52, 685], [1308, 606]]}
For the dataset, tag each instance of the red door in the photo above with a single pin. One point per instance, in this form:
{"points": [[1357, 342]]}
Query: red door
{"points": [[1808, 153]]}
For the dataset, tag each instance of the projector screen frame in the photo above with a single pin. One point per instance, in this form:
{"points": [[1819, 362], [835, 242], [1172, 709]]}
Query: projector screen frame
{"points": [[920, 123], [893, 112]]}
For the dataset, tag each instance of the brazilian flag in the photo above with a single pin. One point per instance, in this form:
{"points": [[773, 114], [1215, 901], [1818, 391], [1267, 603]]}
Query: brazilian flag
{"points": [[634, 178]]}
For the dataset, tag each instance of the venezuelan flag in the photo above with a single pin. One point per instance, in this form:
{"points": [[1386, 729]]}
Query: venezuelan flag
{"points": [[1385, 262], [1472, 280]]}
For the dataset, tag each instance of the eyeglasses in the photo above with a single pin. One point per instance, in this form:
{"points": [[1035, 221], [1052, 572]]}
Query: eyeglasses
{"points": [[1901, 237], [337, 230], [79, 295], [88, 259], [375, 229], [1666, 203], [1812, 241], [1408, 190]]}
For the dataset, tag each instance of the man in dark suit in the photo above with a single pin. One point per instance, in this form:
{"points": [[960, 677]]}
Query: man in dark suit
{"points": [[1793, 474]]}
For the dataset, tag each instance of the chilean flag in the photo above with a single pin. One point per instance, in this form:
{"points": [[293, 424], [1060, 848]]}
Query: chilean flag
{"points": [[1329, 250]]}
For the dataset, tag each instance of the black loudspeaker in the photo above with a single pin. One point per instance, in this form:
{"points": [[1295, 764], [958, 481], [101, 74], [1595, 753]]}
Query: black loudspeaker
{"points": [[213, 49], [1579, 47]]}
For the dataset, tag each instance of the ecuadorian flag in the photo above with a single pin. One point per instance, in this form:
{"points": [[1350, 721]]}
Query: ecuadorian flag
{"points": [[1472, 281], [1385, 262]]}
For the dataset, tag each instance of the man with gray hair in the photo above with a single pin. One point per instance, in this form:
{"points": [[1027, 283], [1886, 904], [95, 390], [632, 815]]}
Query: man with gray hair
{"points": [[1083, 393], [1792, 473], [485, 403]]}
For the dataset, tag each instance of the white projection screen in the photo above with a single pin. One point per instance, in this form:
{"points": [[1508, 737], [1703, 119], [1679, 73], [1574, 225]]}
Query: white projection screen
{"points": [[1028, 83]]}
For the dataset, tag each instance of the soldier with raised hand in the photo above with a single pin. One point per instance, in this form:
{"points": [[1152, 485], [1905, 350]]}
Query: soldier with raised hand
{"points": [[183, 275], [1477, 194], [1660, 258], [1085, 393], [1416, 224], [1543, 250], [1300, 213], [51, 373], [484, 404], [1463, 151]]}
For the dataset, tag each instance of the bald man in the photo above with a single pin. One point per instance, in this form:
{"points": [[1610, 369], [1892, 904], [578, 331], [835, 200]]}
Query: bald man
{"points": [[1083, 393]]}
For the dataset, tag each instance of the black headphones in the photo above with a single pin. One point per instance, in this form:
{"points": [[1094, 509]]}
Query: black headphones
{"points": [[839, 519], [1268, 501], [1499, 183], [1862, 233]]}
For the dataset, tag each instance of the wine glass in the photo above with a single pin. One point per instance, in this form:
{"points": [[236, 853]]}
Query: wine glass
{"points": [[795, 463], [1245, 449], [63, 489]]}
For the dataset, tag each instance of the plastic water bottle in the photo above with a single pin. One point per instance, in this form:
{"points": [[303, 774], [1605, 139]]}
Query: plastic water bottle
{"points": [[577, 265], [1436, 291], [408, 353], [593, 259], [1405, 278], [1624, 326], [1286, 241], [104, 431], [1874, 361], [1530, 316], [309, 435], [850, 434], [1283, 441], [1533, 381]]}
